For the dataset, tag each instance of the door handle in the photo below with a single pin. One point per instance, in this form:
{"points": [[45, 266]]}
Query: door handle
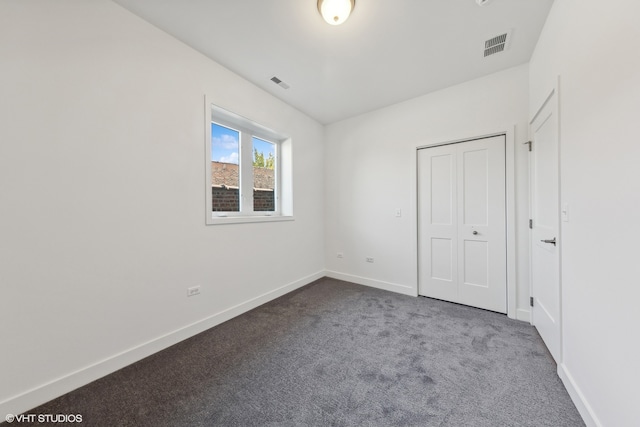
{"points": [[475, 233], [552, 241]]}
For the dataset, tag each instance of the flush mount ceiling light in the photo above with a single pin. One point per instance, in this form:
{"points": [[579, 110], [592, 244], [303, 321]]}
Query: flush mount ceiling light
{"points": [[482, 2], [335, 12]]}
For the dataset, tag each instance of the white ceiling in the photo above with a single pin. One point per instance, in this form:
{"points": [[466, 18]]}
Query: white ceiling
{"points": [[388, 50]]}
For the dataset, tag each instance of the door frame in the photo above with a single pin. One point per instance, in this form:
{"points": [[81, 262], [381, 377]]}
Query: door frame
{"points": [[553, 95], [510, 214]]}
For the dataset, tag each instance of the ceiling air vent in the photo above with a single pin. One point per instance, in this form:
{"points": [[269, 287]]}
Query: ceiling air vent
{"points": [[496, 44], [280, 82]]}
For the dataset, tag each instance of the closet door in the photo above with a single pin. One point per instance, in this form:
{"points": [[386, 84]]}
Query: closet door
{"points": [[438, 222], [462, 223]]}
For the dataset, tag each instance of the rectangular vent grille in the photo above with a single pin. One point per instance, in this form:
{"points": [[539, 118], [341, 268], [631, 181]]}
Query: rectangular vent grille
{"points": [[494, 49], [501, 39], [280, 82], [495, 45]]}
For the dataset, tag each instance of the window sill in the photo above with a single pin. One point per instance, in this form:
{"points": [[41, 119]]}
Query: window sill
{"points": [[219, 220]]}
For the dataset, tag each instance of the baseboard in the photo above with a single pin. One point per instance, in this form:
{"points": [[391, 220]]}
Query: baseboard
{"points": [[37, 396], [586, 411], [524, 315], [387, 286]]}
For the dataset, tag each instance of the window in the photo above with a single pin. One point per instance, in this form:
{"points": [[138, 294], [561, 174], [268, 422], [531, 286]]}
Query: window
{"points": [[264, 175], [225, 169], [248, 170]]}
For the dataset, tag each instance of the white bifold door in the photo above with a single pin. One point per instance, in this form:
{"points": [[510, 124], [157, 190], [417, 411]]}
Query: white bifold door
{"points": [[462, 223]]}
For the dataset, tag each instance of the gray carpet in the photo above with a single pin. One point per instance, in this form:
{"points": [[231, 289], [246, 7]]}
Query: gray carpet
{"points": [[338, 354]]}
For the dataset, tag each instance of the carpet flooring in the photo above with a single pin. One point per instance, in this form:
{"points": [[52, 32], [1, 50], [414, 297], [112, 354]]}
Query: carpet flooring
{"points": [[338, 354]]}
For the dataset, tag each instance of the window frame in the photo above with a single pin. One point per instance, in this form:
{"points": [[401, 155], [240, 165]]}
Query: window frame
{"points": [[248, 129]]}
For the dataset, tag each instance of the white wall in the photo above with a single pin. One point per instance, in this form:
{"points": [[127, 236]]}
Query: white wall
{"points": [[370, 172], [594, 47], [102, 197]]}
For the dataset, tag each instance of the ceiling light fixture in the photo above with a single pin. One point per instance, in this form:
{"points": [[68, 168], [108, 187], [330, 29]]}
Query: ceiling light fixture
{"points": [[482, 2], [335, 12]]}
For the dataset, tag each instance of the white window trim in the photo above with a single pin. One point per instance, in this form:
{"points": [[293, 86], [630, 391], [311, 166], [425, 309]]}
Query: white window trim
{"points": [[283, 188]]}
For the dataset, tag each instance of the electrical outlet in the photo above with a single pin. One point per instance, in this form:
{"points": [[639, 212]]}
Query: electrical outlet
{"points": [[340, 255], [369, 259], [194, 290]]}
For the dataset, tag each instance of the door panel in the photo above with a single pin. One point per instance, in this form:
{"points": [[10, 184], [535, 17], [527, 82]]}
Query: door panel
{"points": [[437, 219], [476, 263], [545, 259], [482, 224], [441, 259], [475, 190], [442, 193], [467, 191]]}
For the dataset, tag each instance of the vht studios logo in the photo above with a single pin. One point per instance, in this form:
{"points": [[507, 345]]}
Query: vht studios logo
{"points": [[44, 418]]}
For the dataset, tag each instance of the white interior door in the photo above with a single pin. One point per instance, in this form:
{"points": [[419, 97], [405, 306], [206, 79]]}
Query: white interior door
{"points": [[545, 255], [462, 223], [438, 222]]}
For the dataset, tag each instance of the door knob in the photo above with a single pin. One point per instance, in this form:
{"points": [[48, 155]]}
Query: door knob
{"points": [[475, 232], [552, 241]]}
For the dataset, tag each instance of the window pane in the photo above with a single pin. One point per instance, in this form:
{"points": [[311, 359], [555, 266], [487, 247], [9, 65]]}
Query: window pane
{"points": [[264, 179], [225, 170]]}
